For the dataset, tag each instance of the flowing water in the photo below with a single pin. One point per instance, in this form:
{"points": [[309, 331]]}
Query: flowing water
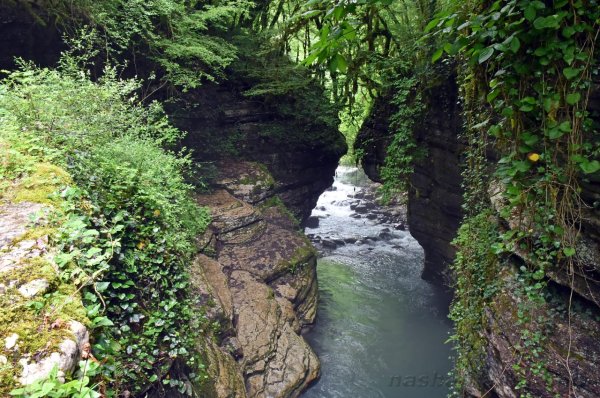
{"points": [[380, 328]]}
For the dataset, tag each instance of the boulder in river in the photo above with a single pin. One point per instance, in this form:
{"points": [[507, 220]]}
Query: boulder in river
{"points": [[312, 222], [364, 207]]}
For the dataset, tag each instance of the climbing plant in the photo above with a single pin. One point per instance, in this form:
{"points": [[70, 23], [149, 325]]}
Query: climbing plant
{"points": [[528, 67], [405, 85]]}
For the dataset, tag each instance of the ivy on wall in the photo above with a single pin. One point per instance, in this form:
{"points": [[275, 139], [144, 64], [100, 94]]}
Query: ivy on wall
{"points": [[527, 71]]}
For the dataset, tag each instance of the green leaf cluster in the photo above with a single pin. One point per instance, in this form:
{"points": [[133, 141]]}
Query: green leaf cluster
{"points": [[52, 387], [185, 39], [127, 227], [528, 69]]}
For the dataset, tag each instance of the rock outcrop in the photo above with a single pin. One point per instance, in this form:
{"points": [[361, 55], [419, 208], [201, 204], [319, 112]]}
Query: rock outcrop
{"points": [[570, 351], [260, 287], [374, 136], [301, 155], [569, 319], [33, 344], [435, 194]]}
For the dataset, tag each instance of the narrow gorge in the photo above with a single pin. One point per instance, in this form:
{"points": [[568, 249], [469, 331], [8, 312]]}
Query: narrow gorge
{"points": [[317, 199]]}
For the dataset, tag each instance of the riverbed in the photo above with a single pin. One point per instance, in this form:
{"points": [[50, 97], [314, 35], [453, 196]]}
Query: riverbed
{"points": [[380, 329]]}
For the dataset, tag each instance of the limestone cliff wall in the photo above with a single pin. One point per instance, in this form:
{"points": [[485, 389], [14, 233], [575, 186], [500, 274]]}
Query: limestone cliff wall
{"points": [[301, 155], [434, 211], [569, 320], [435, 194]]}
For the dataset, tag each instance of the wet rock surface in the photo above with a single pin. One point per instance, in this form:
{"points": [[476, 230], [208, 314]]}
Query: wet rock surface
{"points": [[300, 154], [570, 352], [261, 287], [434, 214], [435, 195], [365, 203]]}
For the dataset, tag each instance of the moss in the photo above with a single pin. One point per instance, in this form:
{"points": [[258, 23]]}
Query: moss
{"points": [[36, 233], [29, 269], [41, 184], [273, 201], [267, 178], [7, 378], [31, 234], [35, 333], [66, 301], [276, 202], [32, 319], [260, 177], [36, 337], [300, 258]]}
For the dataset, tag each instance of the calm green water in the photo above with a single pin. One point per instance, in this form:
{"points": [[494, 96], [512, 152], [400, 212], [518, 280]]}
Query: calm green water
{"points": [[380, 328]]}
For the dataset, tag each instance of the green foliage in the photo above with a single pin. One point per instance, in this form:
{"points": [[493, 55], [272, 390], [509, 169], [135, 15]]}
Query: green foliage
{"points": [[52, 387], [367, 49], [183, 38], [477, 281], [355, 40], [406, 85], [351, 119], [528, 70], [126, 230], [284, 85]]}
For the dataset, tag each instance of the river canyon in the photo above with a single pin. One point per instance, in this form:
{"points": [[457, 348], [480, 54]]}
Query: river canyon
{"points": [[228, 254], [380, 328]]}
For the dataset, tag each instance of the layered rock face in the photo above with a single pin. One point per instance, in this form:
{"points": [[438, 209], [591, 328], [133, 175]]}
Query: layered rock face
{"points": [[435, 194], [224, 124], [570, 319], [570, 351], [375, 136], [260, 287]]}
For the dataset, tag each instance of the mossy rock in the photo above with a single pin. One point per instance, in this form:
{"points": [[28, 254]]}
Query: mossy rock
{"points": [[38, 307], [40, 186]]}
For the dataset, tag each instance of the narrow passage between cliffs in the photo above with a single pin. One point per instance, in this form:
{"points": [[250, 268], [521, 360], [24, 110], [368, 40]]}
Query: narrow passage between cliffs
{"points": [[380, 329]]}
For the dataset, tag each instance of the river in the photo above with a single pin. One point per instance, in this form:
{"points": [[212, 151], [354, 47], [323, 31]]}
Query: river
{"points": [[380, 329]]}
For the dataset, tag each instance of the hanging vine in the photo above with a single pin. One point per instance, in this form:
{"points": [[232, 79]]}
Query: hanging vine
{"points": [[536, 61]]}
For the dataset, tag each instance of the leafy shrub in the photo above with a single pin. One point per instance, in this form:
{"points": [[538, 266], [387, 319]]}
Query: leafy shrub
{"points": [[126, 229]]}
